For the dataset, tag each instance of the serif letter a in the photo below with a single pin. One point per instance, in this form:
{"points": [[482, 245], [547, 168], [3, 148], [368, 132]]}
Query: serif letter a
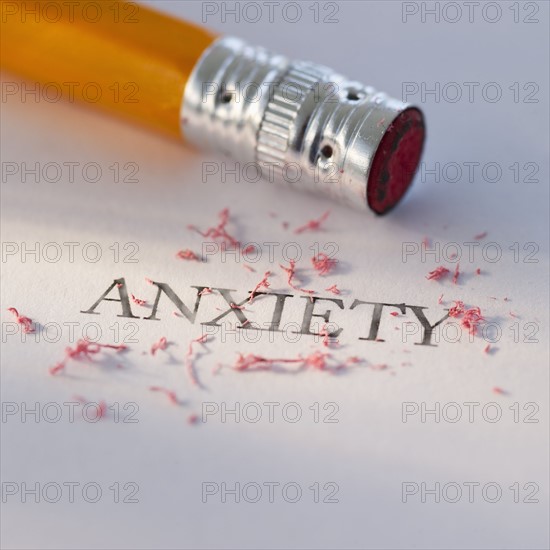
{"points": [[123, 299]]}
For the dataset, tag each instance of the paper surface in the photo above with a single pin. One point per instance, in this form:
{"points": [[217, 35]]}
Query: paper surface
{"points": [[361, 440]]}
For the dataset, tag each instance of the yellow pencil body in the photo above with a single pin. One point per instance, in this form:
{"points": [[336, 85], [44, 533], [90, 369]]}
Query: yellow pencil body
{"points": [[119, 55]]}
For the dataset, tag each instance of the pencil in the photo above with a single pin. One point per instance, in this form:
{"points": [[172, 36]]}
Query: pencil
{"points": [[296, 122]]}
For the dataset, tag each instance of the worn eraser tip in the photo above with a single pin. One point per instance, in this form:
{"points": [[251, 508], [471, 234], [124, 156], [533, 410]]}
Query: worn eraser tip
{"points": [[395, 161]]}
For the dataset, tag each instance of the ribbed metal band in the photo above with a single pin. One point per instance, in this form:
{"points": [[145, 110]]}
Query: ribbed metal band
{"points": [[302, 123], [274, 136]]}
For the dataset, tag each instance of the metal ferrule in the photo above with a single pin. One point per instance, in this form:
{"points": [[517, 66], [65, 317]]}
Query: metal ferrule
{"points": [[302, 123]]}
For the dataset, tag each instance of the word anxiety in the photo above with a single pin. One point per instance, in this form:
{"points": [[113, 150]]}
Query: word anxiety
{"points": [[279, 300]]}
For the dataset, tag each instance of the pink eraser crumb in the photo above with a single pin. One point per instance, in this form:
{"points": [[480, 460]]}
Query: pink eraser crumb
{"points": [[193, 419]]}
